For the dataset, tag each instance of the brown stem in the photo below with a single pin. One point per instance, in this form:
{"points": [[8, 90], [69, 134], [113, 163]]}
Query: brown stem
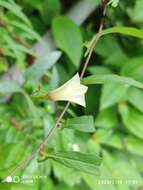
{"points": [[94, 42], [96, 37], [40, 147]]}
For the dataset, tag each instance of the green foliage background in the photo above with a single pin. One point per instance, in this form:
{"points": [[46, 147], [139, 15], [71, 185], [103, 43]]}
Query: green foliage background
{"points": [[108, 133]]}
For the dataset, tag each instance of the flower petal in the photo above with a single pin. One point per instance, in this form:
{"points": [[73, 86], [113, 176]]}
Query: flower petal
{"points": [[71, 91]]}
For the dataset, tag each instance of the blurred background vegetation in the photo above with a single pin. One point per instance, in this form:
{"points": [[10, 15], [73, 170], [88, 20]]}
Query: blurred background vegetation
{"points": [[113, 117]]}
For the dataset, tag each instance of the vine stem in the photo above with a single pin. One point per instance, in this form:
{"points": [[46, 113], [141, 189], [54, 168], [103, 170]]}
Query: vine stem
{"points": [[94, 41]]}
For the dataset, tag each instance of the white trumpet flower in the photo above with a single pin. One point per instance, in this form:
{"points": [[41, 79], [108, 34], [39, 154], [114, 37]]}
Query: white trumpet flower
{"points": [[71, 91]]}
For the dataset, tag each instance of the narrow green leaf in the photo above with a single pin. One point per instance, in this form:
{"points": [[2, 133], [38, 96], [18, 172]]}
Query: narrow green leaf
{"points": [[137, 14], [96, 70], [108, 44], [79, 161], [112, 93], [12, 86], [112, 83], [106, 118], [120, 141], [15, 9], [106, 78], [134, 145], [132, 119], [133, 68], [134, 32], [31, 105], [9, 86], [83, 123], [135, 97], [68, 38], [16, 47], [28, 30], [39, 68]]}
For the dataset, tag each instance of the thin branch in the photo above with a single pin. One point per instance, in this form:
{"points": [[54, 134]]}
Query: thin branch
{"points": [[96, 38], [51, 132], [40, 147]]}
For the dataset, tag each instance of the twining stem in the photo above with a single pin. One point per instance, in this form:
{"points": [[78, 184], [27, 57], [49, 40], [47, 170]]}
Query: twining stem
{"points": [[40, 147], [96, 37], [94, 41]]}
